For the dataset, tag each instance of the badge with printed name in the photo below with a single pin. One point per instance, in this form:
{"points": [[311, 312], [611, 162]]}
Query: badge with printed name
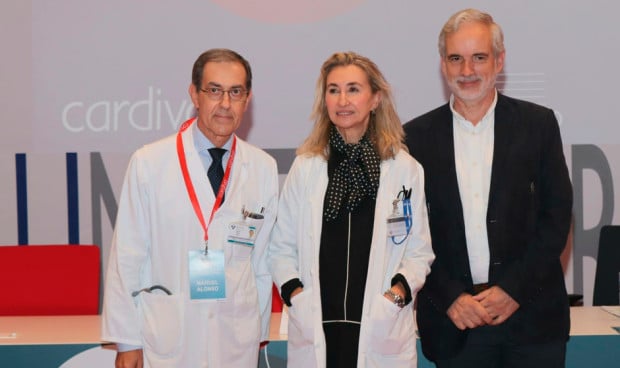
{"points": [[206, 274]]}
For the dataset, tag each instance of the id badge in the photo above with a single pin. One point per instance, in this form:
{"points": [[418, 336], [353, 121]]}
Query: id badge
{"points": [[244, 232], [206, 275], [396, 226]]}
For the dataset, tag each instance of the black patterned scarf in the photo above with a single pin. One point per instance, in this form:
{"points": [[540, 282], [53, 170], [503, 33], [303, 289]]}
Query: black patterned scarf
{"points": [[355, 177]]}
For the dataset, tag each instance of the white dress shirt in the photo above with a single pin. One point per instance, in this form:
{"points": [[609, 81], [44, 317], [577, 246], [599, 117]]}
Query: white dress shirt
{"points": [[473, 155]]}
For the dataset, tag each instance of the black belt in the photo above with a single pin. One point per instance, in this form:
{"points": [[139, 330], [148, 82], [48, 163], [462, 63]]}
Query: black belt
{"points": [[478, 288]]}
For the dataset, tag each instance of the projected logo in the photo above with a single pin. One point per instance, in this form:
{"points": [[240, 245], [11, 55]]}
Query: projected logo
{"points": [[286, 11], [153, 113]]}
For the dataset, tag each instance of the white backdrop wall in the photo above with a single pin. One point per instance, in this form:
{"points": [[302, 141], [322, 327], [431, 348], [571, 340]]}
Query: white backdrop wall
{"points": [[85, 83]]}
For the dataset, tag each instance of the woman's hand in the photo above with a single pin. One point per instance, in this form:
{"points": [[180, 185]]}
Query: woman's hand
{"points": [[295, 292], [396, 294]]}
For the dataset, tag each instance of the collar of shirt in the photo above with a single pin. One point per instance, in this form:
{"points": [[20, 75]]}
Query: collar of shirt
{"points": [[485, 122], [202, 144]]}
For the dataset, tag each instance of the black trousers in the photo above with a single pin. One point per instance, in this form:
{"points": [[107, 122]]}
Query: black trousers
{"points": [[342, 340], [489, 347]]}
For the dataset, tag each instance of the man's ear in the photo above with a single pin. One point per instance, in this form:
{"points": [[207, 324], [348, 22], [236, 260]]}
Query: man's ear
{"points": [[193, 94], [499, 62], [247, 100]]}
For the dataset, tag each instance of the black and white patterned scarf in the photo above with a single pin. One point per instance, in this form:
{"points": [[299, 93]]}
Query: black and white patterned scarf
{"points": [[355, 177]]}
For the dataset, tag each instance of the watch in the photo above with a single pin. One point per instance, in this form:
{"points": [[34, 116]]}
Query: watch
{"points": [[396, 299]]}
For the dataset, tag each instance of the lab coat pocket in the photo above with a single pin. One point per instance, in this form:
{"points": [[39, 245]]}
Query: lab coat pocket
{"points": [[239, 314], [241, 252], [391, 327], [300, 327], [162, 320]]}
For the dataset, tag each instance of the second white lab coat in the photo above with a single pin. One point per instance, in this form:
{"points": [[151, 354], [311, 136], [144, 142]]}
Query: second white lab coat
{"points": [[387, 332], [155, 228]]}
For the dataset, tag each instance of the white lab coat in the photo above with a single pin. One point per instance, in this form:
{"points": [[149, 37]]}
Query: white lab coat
{"points": [[387, 333], [156, 226]]}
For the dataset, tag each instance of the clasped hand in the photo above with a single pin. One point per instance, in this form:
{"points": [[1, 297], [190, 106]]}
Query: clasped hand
{"points": [[489, 307]]}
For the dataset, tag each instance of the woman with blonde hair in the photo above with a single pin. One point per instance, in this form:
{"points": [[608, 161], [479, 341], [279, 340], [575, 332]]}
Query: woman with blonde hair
{"points": [[351, 246]]}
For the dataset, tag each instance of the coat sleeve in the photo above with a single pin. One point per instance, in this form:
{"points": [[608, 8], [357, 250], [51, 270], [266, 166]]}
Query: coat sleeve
{"points": [[128, 254], [260, 254], [423, 144], [283, 250], [552, 216]]}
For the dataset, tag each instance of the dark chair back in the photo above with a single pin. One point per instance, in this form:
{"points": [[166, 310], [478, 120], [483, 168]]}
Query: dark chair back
{"points": [[606, 280]]}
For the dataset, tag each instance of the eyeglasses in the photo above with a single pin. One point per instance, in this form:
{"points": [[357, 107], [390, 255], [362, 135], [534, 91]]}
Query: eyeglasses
{"points": [[217, 93]]}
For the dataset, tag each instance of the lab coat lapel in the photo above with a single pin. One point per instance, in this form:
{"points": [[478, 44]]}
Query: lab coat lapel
{"points": [[239, 172], [315, 195], [383, 207]]}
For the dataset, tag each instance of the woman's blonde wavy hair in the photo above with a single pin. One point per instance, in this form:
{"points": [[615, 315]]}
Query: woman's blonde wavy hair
{"points": [[384, 128]]}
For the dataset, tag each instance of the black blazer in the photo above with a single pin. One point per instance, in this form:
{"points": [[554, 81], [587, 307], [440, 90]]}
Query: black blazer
{"points": [[528, 219]]}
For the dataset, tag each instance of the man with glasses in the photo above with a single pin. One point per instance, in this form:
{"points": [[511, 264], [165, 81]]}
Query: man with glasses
{"points": [[187, 283], [499, 200]]}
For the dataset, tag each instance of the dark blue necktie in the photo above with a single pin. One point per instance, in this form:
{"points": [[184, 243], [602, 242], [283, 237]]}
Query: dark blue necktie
{"points": [[216, 172]]}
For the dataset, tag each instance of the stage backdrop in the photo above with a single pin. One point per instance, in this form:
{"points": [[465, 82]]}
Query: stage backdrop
{"points": [[86, 83]]}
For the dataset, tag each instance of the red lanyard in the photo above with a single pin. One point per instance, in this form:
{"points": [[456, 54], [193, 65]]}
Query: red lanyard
{"points": [[190, 187]]}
